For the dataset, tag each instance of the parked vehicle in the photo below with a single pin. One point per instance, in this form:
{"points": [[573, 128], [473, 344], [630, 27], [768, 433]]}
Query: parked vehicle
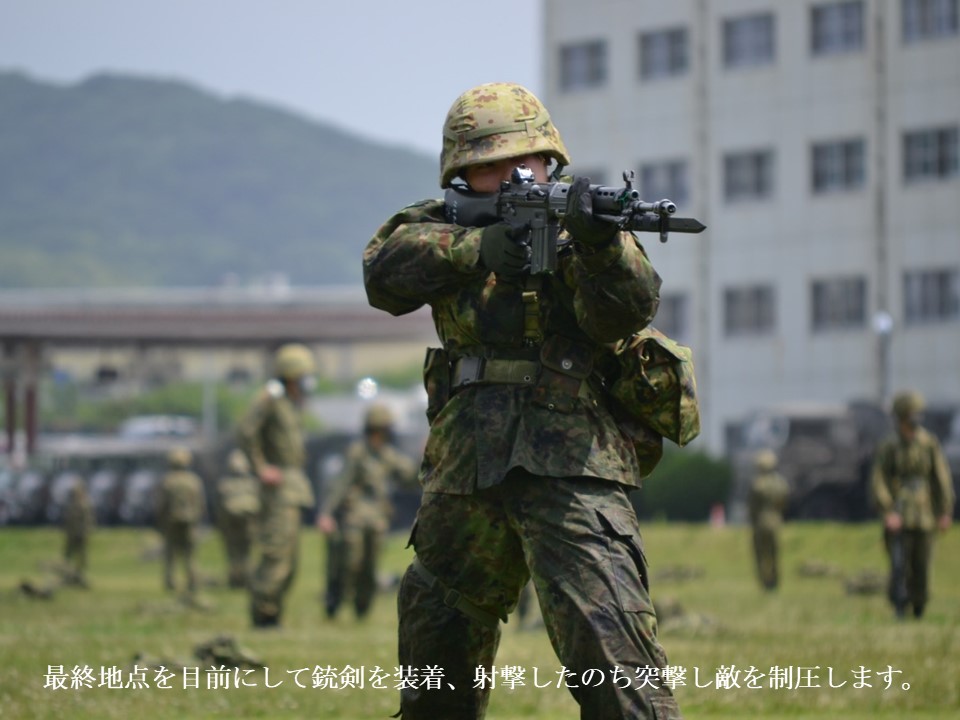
{"points": [[139, 497], [825, 451]]}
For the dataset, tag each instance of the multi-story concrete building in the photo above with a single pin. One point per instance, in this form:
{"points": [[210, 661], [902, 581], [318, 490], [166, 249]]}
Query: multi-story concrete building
{"points": [[818, 140]]}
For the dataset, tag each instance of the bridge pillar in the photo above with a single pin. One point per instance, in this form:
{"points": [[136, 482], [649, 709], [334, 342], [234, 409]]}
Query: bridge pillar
{"points": [[32, 369], [21, 366], [9, 372]]}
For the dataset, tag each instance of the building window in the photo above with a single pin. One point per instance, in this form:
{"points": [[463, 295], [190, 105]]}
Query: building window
{"points": [[748, 175], [838, 165], [748, 310], [672, 316], [663, 53], [748, 41], [933, 153], [583, 65], [836, 28], [931, 295], [667, 179], [928, 19], [839, 303]]}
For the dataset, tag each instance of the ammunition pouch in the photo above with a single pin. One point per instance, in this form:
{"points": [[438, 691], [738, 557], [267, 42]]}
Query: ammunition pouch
{"points": [[296, 489], [656, 391], [566, 362]]}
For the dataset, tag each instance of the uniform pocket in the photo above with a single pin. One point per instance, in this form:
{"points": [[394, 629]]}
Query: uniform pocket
{"points": [[625, 549]]}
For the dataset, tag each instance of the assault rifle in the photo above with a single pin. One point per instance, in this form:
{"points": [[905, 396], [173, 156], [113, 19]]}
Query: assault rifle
{"points": [[523, 202], [898, 568]]}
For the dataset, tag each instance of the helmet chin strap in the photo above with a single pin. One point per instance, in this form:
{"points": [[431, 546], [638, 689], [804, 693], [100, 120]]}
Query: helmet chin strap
{"points": [[555, 174]]}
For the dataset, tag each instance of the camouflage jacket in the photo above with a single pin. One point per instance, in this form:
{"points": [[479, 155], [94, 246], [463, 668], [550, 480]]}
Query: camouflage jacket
{"points": [[181, 498], [484, 430], [366, 481], [912, 478], [271, 433], [238, 496], [768, 498]]}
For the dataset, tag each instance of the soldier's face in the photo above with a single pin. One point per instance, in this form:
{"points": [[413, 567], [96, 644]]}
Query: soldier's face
{"points": [[486, 177], [908, 426]]}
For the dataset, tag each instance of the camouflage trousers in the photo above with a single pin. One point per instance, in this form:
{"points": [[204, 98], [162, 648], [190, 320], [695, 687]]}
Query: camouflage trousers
{"points": [[75, 553], [238, 532], [578, 539], [179, 539], [917, 546], [279, 528], [766, 554]]}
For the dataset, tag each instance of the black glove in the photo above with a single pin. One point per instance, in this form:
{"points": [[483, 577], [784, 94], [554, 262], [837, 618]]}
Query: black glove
{"points": [[579, 220], [502, 250]]}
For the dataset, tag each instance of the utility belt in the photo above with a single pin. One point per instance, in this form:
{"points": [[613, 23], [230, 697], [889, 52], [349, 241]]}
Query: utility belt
{"points": [[562, 364], [913, 484]]}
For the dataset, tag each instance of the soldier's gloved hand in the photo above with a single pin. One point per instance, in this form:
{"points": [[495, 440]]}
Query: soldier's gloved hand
{"points": [[590, 233], [502, 250]]}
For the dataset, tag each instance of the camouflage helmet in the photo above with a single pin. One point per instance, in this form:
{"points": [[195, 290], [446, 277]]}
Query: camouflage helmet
{"points": [[765, 460], [378, 417], [493, 122], [906, 404], [293, 361], [237, 462], [179, 457]]}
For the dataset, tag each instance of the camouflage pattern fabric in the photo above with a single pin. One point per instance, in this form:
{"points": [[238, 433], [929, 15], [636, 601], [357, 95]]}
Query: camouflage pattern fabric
{"points": [[271, 434], [657, 385], [278, 541], [180, 507], [360, 499], [587, 564], [917, 549], [493, 122], [768, 498], [523, 480], [912, 478], [78, 522], [238, 508], [483, 431]]}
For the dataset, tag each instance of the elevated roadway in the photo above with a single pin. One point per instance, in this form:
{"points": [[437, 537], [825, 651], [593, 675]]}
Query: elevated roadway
{"points": [[31, 321], [206, 316]]}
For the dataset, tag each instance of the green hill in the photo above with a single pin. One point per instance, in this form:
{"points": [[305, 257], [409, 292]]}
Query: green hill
{"points": [[121, 181]]}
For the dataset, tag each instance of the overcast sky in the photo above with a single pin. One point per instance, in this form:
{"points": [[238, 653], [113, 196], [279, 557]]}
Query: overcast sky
{"points": [[385, 69]]}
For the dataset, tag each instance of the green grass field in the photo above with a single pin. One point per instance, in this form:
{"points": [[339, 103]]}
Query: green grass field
{"points": [[811, 628]]}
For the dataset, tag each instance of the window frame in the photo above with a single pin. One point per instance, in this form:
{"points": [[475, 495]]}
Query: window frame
{"points": [[749, 310], [584, 65], [663, 53], [838, 303], [835, 30], [749, 40]]}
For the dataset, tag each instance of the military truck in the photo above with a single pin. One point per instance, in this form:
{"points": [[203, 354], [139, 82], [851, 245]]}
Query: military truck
{"points": [[825, 451]]}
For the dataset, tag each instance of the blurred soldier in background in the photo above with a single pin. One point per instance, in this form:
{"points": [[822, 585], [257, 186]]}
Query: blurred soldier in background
{"points": [[768, 498], [181, 506], [271, 436], [913, 492], [78, 522], [356, 512], [238, 496]]}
